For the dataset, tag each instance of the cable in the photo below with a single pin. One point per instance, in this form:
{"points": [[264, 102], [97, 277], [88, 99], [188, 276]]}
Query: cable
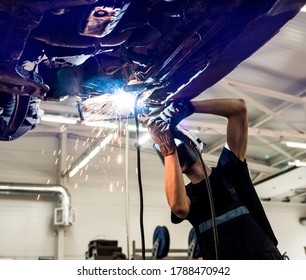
{"points": [[139, 179], [185, 136], [212, 208]]}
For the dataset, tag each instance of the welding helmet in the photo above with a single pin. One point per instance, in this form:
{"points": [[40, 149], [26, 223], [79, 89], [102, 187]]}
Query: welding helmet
{"points": [[186, 148]]}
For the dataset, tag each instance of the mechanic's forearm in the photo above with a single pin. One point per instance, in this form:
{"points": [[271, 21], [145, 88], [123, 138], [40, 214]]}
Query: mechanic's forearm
{"points": [[175, 187], [226, 107], [235, 111]]}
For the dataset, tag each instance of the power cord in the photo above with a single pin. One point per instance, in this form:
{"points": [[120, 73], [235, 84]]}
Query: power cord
{"points": [[143, 250], [212, 208]]}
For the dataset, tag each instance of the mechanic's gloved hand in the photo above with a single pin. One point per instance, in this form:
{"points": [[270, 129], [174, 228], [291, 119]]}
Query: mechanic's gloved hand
{"points": [[176, 111], [162, 135]]}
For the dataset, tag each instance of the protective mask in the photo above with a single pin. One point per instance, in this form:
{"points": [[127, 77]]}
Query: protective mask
{"points": [[186, 154]]}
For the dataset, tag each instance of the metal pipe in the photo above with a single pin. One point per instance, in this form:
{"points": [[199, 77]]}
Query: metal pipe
{"points": [[26, 189], [127, 192]]}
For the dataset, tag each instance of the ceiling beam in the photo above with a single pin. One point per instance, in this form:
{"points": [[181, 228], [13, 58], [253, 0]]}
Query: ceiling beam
{"points": [[259, 105], [215, 128], [276, 148], [268, 92], [264, 118], [280, 160]]}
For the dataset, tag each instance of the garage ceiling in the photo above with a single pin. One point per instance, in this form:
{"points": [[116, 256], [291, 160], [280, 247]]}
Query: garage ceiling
{"points": [[273, 84]]}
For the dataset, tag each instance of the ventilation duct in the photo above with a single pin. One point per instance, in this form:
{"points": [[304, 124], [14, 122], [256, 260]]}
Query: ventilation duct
{"points": [[64, 215]]}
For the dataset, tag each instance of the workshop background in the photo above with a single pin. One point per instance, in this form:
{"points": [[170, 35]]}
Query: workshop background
{"points": [[46, 214]]}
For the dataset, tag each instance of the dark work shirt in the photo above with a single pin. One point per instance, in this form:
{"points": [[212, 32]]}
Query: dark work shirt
{"points": [[243, 230]]}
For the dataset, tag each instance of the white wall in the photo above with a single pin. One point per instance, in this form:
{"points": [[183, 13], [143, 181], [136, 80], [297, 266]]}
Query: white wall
{"points": [[26, 227], [99, 198], [284, 219]]}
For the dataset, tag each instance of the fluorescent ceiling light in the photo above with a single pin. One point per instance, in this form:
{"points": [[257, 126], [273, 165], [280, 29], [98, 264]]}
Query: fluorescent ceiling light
{"points": [[74, 171], [297, 163], [95, 151], [59, 119], [103, 124], [85, 160], [295, 145], [105, 141]]}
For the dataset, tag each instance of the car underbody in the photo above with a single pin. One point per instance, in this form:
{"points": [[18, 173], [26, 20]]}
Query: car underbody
{"points": [[161, 50]]}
